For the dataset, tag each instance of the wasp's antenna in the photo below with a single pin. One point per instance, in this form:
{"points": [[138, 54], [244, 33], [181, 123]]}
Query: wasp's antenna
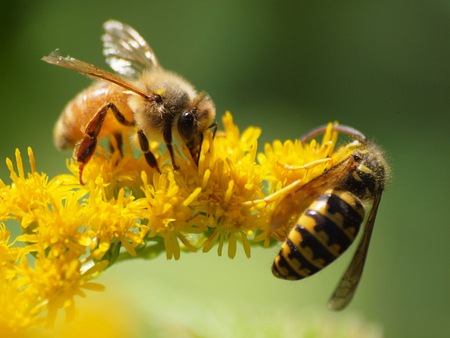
{"points": [[339, 128]]}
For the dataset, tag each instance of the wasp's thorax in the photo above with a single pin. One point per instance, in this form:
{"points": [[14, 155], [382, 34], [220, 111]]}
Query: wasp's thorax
{"points": [[369, 176]]}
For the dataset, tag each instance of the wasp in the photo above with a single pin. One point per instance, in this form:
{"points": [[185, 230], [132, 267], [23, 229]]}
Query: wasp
{"points": [[332, 208]]}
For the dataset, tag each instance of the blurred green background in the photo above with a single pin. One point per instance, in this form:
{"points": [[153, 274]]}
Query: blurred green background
{"points": [[382, 67]]}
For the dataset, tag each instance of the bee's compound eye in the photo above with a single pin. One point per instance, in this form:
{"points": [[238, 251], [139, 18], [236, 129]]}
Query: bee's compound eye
{"points": [[186, 125]]}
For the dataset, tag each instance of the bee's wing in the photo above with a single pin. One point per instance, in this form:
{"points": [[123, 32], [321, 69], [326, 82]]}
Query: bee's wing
{"points": [[347, 286], [71, 63], [125, 50], [296, 201]]}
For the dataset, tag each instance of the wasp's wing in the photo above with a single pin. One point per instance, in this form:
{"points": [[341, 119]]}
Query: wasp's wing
{"points": [[293, 205], [85, 68], [347, 287], [125, 50]]}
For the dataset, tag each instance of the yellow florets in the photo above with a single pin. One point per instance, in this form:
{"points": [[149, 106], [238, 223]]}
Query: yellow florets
{"points": [[77, 231]]}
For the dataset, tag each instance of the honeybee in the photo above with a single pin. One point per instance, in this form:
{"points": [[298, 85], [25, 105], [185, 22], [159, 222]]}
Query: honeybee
{"points": [[148, 99], [332, 209]]}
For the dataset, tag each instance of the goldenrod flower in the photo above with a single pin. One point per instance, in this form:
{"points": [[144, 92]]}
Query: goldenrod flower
{"points": [[166, 209], [76, 231], [8, 255], [291, 164], [27, 194], [230, 176]]}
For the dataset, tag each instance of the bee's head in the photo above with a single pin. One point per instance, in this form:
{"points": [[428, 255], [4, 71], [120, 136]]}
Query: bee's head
{"points": [[193, 122]]}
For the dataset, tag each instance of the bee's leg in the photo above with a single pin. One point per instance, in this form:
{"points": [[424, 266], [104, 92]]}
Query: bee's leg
{"points": [[214, 125], [119, 117], [167, 135], [199, 149], [149, 157], [86, 147], [118, 145]]}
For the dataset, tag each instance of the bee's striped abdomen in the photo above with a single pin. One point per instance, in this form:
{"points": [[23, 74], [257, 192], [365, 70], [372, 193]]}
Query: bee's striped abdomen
{"points": [[324, 231]]}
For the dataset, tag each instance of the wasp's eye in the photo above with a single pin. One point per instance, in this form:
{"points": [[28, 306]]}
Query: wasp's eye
{"points": [[358, 156], [186, 125]]}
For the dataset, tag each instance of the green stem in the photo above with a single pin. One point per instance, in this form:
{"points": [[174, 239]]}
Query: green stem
{"points": [[146, 252]]}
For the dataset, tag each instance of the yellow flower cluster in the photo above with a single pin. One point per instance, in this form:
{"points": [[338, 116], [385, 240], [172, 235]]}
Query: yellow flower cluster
{"points": [[73, 232]]}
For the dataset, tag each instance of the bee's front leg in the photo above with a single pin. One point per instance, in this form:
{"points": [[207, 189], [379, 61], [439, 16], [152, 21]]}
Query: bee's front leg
{"points": [[212, 126], [167, 135]]}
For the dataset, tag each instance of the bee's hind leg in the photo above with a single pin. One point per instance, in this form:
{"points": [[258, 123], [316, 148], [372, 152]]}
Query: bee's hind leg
{"points": [[86, 147]]}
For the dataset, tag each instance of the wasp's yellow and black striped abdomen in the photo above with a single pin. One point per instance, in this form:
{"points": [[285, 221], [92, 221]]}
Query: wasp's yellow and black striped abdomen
{"points": [[333, 210], [324, 231]]}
